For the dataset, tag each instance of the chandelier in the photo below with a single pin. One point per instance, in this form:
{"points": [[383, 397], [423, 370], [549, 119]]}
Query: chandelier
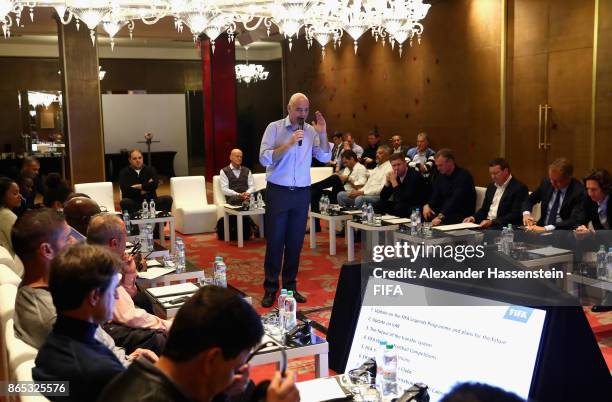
{"points": [[321, 21], [248, 73], [45, 99]]}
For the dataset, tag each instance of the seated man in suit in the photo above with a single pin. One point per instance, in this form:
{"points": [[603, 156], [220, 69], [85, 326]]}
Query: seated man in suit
{"points": [[454, 196], [561, 198], [236, 181], [368, 159], [337, 149], [206, 358], [370, 192], [421, 157], [404, 190], [504, 199], [398, 148], [597, 212], [82, 282], [139, 182], [131, 327], [353, 177]]}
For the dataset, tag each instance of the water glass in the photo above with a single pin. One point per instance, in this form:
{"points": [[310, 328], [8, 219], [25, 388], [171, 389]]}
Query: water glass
{"points": [[427, 229], [498, 244]]}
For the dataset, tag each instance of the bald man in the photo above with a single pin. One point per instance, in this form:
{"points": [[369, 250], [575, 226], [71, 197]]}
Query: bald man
{"points": [[78, 211], [287, 148], [236, 181]]}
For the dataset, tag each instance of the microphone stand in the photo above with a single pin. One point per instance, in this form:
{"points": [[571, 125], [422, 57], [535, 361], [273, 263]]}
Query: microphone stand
{"points": [[148, 142]]}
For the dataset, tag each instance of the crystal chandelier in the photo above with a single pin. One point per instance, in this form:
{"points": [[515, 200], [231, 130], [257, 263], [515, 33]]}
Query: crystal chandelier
{"points": [[323, 21], [248, 73]]}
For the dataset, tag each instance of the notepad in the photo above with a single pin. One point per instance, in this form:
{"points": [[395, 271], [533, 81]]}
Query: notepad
{"points": [[548, 251], [153, 263], [180, 288], [321, 389], [152, 273], [397, 221], [353, 211], [456, 226]]}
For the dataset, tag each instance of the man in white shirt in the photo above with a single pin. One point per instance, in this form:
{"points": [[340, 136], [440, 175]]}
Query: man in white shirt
{"points": [[353, 177], [236, 181], [503, 200], [370, 192]]}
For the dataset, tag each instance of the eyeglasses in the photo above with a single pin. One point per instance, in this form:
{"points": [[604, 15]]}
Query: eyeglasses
{"points": [[270, 344]]}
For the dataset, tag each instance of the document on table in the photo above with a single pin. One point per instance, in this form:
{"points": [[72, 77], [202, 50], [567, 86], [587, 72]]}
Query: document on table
{"points": [[456, 226], [153, 263], [152, 273], [387, 217], [397, 221], [321, 389], [353, 211], [232, 206], [548, 251], [179, 288]]}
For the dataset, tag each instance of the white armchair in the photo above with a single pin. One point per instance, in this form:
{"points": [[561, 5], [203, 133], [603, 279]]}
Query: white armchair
{"points": [[190, 209], [100, 192], [8, 276], [480, 195]]}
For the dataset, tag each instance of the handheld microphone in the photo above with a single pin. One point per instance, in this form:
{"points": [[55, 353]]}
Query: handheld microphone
{"points": [[300, 127]]}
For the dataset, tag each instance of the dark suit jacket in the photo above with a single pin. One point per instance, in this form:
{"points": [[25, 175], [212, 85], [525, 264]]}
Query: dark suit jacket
{"points": [[591, 214], [409, 194], [510, 209], [454, 196], [572, 208], [128, 177]]}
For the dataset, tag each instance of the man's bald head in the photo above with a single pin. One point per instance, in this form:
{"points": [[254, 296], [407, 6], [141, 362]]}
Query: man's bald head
{"points": [[298, 107], [78, 211], [236, 157]]}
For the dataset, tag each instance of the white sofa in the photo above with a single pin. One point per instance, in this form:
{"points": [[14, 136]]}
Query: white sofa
{"points": [[100, 192], [316, 175], [190, 209]]}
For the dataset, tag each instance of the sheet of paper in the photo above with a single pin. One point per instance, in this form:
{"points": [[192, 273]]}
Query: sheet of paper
{"points": [[463, 232], [154, 263], [152, 273], [548, 251], [129, 244], [173, 289], [397, 221], [232, 206], [387, 217], [456, 226], [353, 211], [321, 389]]}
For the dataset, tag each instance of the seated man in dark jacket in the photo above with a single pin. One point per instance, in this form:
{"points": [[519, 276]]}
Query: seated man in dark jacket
{"points": [[206, 356], [503, 201], [561, 199], [454, 196], [404, 190], [82, 282], [139, 182]]}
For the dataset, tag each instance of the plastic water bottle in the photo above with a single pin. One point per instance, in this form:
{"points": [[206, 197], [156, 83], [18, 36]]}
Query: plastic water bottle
{"points": [[252, 205], [143, 237], [502, 243], [322, 204], [128, 224], [180, 255], [609, 263], [260, 203], [389, 371], [413, 223], [418, 219], [602, 269], [509, 239], [152, 213], [380, 353], [370, 214], [281, 309], [145, 210], [326, 204], [220, 273], [364, 213], [290, 320], [150, 237]]}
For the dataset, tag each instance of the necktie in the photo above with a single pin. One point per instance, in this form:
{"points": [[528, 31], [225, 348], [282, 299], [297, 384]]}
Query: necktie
{"points": [[603, 218], [552, 215]]}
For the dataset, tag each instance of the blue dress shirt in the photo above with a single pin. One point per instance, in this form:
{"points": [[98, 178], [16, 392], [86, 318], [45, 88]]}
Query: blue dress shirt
{"points": [[292, 169]]}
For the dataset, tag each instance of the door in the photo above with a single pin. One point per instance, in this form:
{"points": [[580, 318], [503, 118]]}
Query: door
{"points": [[550, 52]]}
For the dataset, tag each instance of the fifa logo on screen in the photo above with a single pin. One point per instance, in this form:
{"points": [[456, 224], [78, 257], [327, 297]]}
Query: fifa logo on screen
{"points": [[518, 313]]}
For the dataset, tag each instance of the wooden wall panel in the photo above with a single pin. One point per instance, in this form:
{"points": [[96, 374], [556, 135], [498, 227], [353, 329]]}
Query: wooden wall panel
{"points": [[448, 85], [82, 104], [603, 121]]}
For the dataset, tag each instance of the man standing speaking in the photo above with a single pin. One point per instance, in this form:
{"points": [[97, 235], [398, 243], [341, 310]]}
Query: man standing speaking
{"points": [[287, 148]]}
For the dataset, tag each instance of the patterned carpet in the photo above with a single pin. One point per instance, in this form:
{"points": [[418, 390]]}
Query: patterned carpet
{"points": [[317, 280]]}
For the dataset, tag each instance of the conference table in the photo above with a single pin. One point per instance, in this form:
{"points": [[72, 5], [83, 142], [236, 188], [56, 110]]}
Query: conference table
{"points": [[333, 221], [240, 214]]}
